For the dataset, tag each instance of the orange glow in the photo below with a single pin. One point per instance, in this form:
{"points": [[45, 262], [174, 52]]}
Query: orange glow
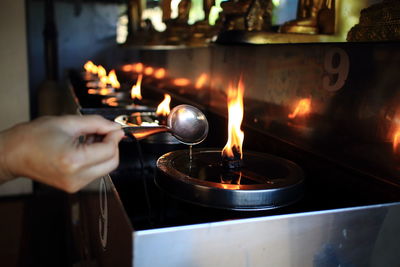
{"points": [[127, 68], [112, 77], [235, 114], [181, 82], [101, 91], [138, 118], [148, 71], [163, 108], [396, 140], [138, 67], [160, 73], [104, 80], [90, 67], [201, 81], [105, 91], [231, 186], [112, 101], [101, 71], [135, 91], [302, 108]]}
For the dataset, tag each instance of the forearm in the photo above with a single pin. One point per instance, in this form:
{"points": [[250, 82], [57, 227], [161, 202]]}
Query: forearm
{"points": [[46, 150]]}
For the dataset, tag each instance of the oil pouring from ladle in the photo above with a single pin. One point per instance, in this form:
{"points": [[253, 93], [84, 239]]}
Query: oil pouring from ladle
{"points": [[187, 123]]}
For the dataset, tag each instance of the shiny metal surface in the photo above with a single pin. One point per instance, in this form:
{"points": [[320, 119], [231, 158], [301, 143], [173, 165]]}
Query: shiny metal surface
{"points": [[147, 119], [362, 236], [141, 132], [266, 181], [189, 125]]}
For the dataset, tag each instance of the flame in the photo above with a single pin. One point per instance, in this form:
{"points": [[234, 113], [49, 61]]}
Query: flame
{"points": [[201, 81], [112, 101], [113, 80], [138, 67], [89, 66], [101, 91], [127, 67], [105, 91], [229, 185], [181, 82], [160, 73], [104, 80], [135, 91], [396, 139], [163, 108], [148, 71], [235, 112], [302, 108], [101, 71]]}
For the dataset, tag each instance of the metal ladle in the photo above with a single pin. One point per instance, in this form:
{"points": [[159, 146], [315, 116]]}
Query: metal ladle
{"points": [[187, 123]]}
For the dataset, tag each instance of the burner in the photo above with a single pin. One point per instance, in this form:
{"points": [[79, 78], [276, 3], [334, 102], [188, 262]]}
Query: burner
{"points": [[122, 99], [263, 182]]}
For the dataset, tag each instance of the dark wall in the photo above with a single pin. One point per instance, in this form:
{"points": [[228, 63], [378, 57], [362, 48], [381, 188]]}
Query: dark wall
{"points": [[85, 31]]}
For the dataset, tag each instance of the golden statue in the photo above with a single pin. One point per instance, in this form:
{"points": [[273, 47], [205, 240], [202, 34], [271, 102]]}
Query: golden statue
{"points": [[246, 15], [178, 30], [379, 22], [313, 17]]}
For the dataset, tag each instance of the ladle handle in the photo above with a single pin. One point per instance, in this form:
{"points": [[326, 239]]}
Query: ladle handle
{"points": [[141, 132]]}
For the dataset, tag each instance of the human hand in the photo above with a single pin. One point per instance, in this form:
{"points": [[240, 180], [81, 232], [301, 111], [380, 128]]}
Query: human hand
{"points": [[48, 150]]}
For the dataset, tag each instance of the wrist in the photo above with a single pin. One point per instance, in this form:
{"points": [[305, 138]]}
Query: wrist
{"points": [[5, 171]]}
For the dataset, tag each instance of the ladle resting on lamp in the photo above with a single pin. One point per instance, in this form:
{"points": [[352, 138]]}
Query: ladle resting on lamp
{"points": [[187, 123]]}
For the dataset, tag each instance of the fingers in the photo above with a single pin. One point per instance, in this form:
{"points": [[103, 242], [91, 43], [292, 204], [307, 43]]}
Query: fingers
{"points": [[88, 162], [95, 153], [88, 124], [93, 172]]}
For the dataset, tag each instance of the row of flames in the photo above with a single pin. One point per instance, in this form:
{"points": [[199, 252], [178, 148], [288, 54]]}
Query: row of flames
{"points": [[161, 73], [234, 144], [111, 79], [139, 68], [235, 100]]}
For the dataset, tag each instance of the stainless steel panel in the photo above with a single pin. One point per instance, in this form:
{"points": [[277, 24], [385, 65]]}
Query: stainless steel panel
{"points": [[362, 236]]}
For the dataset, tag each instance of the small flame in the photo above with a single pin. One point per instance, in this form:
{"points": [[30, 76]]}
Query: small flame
{"points": [[89, 65], [235, 113], [233, 185], [148, 71], [105, 80], [127, 68], [181, 82], [113, 80], [101, 71], [201, 81], [163, 108], [160, 73], [105, 91], [101, 91], [135, 91], [112, 101], [302, 108], [138, 67]]}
